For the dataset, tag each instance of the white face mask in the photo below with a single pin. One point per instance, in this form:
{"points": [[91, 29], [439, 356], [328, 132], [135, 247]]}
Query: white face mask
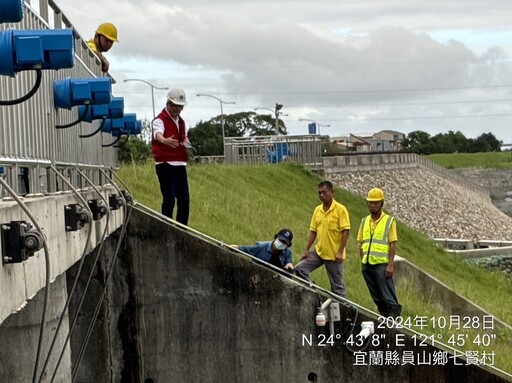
{"points": [[279, 245]]}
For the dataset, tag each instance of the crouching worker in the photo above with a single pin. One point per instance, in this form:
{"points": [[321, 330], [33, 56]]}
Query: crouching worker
{"points": [[275, 252]]}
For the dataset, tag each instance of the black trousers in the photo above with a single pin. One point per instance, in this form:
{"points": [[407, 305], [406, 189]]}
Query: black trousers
{"points": [[174, 188], [381, 289]]}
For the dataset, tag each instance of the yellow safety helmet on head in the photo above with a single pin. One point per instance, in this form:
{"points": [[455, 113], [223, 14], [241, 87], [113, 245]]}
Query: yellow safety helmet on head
{"points": [[375, 195], [108, 30]]}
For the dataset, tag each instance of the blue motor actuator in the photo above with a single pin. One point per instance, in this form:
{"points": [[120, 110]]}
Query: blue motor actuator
{"points": [[128, 125], [11, 11], [30, 49], [70, 92], [97, 112]]}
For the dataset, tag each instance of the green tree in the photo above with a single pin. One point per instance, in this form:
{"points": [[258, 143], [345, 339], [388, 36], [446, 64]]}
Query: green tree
{"points": [[418, 142], [206, 136], [450, 142], [134, 150], [137, 149], [486, 142]]}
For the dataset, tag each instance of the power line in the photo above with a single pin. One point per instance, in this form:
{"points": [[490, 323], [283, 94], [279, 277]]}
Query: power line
{"points": [[355, 91], [417, 118], [358, 105]]}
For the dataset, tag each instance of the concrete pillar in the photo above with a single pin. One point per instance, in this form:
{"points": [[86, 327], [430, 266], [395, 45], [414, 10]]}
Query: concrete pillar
{"points": [[19, 337]]}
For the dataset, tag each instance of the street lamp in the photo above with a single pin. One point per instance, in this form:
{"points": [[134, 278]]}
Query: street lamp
{"points": [[277, 112], [221, 112], [152, 90], [316, 123]]}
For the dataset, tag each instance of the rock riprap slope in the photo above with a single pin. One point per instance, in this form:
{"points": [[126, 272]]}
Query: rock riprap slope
{"points": [[432, 204]]}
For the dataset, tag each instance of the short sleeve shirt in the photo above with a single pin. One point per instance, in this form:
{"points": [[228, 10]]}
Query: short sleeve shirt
{"points": [[328, 226]]}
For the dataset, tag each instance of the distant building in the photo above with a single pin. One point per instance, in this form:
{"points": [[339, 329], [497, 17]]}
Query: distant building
{"points": [[387, 141], [383, 141]]}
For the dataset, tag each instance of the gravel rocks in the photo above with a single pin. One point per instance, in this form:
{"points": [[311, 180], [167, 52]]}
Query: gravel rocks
{"points": [[432, 204]]}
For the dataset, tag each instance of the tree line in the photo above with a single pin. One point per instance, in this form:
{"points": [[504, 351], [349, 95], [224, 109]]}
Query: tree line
{"points": [[452, 142], [206, 137]]}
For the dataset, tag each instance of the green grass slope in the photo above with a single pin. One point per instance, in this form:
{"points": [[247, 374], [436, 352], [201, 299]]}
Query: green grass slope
{"points": [[489, 160], [248, 203]]}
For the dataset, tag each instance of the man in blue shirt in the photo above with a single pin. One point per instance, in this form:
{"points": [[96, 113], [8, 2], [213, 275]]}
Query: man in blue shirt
{"points": [[275, 252]]}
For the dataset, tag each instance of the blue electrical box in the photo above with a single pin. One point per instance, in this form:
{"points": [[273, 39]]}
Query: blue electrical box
{"points": [[111, 125], [36, 49], [81, 91], [116, 107], [11, 11], [130, 123], [95, 112], [123, 126], [276, 152], [139, 128]]}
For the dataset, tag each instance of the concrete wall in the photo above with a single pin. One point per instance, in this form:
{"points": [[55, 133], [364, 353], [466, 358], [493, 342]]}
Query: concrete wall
{"points": [[210, 315], [21, 281], [19, 336], [182, 308], [452, 303]]}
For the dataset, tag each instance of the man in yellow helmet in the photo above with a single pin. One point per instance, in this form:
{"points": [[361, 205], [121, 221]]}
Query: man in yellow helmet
{"points": [[104, 38], [377, 237]]}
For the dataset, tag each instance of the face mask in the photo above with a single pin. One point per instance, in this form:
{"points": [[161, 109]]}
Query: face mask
{"points": [[279, 245]]}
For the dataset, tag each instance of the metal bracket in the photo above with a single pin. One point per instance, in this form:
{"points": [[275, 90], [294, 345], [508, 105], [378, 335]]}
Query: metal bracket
{"points": [[98, 209], [75, 217], [19, 241], [115, 201]]}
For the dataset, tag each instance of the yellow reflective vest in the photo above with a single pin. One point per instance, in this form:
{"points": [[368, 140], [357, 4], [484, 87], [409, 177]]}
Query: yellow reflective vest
{"points": [[376, 245]]}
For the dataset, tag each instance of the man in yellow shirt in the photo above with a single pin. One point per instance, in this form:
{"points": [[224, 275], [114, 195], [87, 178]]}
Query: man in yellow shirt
{"points": [[330, 226], [104, 38], [377, 237]]}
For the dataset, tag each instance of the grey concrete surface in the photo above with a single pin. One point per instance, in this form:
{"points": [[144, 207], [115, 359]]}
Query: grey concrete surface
{"points": [[19, 336], [21, 281], [209, 315], [180, 308], [451, 302]]}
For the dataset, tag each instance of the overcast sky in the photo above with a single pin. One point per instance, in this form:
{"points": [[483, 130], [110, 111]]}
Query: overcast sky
{"points": [[359, 66]]}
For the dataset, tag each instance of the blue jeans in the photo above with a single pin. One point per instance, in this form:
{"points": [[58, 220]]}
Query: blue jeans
{"points": [[174, 188]]}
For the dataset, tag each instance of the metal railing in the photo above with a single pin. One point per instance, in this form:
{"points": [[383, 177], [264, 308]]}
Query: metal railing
{"points": [[305, 150], [29, 141]]}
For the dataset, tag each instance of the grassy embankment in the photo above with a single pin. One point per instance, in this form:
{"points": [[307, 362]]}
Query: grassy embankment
{"points": [[247, 203], [491, 160]]}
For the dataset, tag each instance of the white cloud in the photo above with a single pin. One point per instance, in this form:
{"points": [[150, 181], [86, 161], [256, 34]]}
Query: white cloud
{"points": [[331, 61]]}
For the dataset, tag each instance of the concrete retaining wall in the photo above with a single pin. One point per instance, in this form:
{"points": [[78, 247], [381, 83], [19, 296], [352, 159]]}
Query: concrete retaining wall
{"points": [[209, 315], [21, 281], [432, 288], [182, 308]]}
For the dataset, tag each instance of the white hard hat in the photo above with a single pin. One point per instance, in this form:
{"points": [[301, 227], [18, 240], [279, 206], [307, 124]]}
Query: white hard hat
{"points": [[177, 96]]}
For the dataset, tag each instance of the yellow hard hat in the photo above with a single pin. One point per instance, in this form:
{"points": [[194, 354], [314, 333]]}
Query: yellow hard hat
{"points": [[375, 195], [108, 30]]}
